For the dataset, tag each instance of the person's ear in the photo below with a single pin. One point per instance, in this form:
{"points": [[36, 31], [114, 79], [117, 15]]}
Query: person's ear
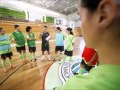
{"points": [[107, 12]]}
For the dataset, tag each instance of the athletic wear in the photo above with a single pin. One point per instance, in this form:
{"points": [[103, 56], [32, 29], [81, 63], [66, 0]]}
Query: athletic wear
{"points": [[4, 44], [69, 42], [32, 49], [22, 48], [19, 38], [31, 43], [45, 43], [7, 55], [103, 77], [42, 58], [59, 48], [59, 39], [45, 47], [44, 36], [68, 53]]}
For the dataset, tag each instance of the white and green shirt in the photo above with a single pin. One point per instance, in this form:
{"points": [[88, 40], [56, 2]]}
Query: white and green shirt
{"points": [[19, 38], [69, 42], [31, 43], [5, 44]]}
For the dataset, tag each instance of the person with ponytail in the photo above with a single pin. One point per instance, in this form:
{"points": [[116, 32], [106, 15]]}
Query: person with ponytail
{"points": [[69, 44]]}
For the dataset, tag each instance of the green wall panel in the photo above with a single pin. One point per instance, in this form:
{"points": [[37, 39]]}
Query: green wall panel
{"points": [[4, 12]]}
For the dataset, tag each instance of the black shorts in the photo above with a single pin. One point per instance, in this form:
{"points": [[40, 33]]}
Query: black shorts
{"points": [[9, 55], [68, 53], [45, 47], [88, 68], [59, 48], [32, 49], [22, 48]]}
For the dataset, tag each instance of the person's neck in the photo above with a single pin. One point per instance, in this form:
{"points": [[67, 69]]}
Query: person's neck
{"points": [[109, 53], [17, 31]]}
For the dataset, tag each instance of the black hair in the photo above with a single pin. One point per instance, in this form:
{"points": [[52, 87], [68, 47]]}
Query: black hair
{"points": [[70, 30], [58, 28], [1, 29], [45, 27], [28, 28], [90, 4], [15, 26]]}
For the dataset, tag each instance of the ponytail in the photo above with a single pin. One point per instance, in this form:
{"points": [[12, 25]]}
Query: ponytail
{"points": [[70, 30]]}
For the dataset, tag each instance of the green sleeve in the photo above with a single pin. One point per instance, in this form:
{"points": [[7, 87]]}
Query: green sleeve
{"points": [[73, 41], [4, 42], [11, 36], [74, 83], [27, 36], [65, 35]]}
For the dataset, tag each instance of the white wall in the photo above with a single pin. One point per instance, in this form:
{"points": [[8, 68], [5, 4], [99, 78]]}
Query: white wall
{"points": [[71, 24], [77, 23], [33, 15], [73, 20]]}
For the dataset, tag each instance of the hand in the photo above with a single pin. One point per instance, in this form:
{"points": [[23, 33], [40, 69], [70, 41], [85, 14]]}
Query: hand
{"points": [[90, 63]]}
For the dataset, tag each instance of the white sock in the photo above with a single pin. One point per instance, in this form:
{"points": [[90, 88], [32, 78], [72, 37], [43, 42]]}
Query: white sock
{"points": [[49, 57]]}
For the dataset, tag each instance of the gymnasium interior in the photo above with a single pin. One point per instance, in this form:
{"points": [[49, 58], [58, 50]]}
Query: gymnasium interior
{"points": [[45, 74]]}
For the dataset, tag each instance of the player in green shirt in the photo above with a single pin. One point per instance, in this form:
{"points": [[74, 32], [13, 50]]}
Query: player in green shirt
{"points": [[18, 37], [31, 44], [101, 30], [69, 39], [5, 49]]}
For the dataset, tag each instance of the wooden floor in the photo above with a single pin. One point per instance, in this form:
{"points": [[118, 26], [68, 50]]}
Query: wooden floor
{"points": [[27, 78]]}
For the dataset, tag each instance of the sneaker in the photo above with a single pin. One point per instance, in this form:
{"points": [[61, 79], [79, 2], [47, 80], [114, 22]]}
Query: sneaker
{"points": [[5, 70], [42, 58]]}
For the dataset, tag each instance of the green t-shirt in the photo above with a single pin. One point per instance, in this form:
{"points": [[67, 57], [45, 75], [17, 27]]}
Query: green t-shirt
{"points": [[104, 77], [69, 42], [19, 38], [31, 43]]}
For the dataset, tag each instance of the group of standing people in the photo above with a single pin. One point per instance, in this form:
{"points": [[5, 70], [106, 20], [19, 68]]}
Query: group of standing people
{"points": [[18, 37]]}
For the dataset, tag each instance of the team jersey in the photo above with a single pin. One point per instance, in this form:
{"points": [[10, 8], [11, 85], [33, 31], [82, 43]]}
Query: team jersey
{"points": [[5, 44], [44, 36], [19, 38], [69, 42], [31, 43], [103, 77], [59, 39], [88, 54]]}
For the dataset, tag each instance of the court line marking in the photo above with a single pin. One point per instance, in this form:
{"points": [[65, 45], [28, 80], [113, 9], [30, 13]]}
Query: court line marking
{"points": [[43, 85], [13, 73]]}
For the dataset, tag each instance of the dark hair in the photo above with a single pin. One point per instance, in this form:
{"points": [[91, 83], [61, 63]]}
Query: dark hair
{"points": [[45, 27], [90, 4], [1, 29], [58, 28], [70, 30], [15, 26], [28, 28]]}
